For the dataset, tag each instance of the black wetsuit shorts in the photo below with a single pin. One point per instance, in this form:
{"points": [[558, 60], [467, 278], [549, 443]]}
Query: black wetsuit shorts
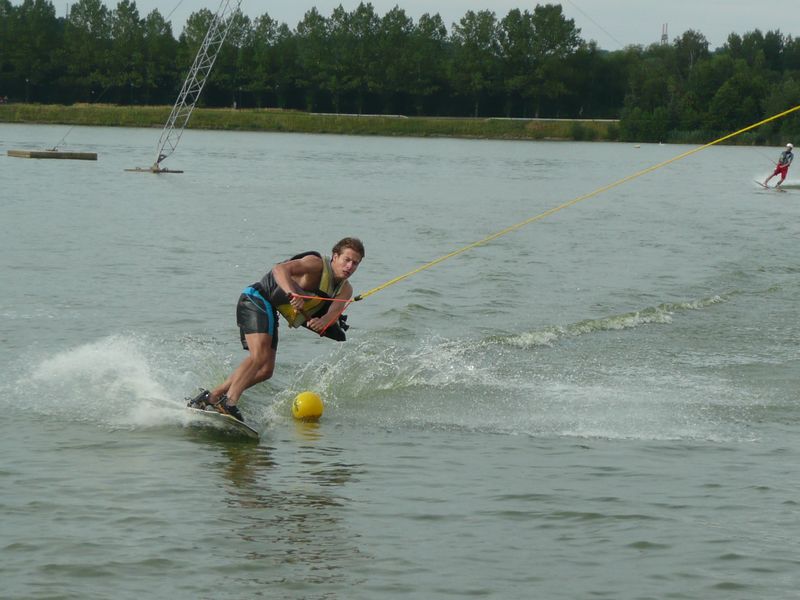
{"points": [[255, 314]]}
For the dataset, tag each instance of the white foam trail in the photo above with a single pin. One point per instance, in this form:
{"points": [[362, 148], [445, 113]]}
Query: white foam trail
{"points": [[114, 381], [660, 315]]}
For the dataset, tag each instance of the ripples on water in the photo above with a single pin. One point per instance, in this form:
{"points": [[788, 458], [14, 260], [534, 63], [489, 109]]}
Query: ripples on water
{"points": [[602, 404]]}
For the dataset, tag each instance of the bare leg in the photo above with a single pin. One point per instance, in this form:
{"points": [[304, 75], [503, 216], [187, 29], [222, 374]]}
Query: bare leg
{"points": [[254, 369]]}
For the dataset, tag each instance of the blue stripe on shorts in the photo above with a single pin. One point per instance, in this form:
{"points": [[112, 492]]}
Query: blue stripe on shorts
{"points": [[265, 306]]}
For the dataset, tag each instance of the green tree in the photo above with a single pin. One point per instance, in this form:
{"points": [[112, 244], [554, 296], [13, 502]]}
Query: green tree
{"points": [[395, 37], [780, 98], [690, 49], [427, 62], [596, 82], [650, 82], [286, 61], [360, 42], [87, 44], [338, 77], [35, 58], [126, 60], [773, 47], [749, 47], [263, 74], [229, 78], [791, 55], [312, 56], [517, 41], [160, 47], [739, 101], [556, 38], [705, 79], [192, 36], [226, 77], [475, 55], [7, 35]]}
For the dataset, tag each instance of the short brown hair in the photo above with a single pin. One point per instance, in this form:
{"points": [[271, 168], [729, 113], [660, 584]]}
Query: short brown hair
{"points": [[353, 243]]}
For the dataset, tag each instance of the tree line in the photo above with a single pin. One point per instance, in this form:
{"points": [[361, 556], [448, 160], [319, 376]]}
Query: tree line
{"points": [[521, 65]]}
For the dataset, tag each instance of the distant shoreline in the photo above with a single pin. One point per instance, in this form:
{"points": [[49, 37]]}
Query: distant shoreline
{"points": [[276, 120]]}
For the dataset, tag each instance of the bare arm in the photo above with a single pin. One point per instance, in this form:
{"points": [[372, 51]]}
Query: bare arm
{"points": [[297, 276]]}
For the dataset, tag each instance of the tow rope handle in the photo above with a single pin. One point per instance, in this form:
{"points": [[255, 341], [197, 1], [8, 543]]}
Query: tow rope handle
{"points": [[347, 301]]}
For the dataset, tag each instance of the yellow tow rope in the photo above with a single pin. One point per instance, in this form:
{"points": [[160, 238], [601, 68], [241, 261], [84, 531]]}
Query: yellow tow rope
{"points": [[552, 211]]}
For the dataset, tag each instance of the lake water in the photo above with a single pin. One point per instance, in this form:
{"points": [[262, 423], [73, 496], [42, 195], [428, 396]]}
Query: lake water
{"points": [[602, 404]]}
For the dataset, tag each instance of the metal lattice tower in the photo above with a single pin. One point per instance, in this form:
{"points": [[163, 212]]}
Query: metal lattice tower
{"points": [[195, 80]]}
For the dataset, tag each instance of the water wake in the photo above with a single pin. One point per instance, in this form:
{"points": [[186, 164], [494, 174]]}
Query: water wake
{"points": [[119, 381], [657, 315], [560, 381], [531, 383]]}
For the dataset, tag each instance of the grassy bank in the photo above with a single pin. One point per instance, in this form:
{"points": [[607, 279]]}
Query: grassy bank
{"points": [[292, 121]]}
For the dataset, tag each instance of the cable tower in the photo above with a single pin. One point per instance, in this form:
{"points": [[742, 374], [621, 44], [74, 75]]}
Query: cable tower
{"points": [[194, 82]]}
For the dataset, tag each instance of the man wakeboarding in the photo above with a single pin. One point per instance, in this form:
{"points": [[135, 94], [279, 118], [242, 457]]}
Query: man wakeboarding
{"points": [[782, 166], [297, 289]]}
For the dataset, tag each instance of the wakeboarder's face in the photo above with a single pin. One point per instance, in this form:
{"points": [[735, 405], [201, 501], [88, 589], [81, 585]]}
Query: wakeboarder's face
{"points": [[345, 264]]}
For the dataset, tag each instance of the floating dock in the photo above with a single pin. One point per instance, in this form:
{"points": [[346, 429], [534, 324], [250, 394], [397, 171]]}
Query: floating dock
{"points": [[53, 154]]}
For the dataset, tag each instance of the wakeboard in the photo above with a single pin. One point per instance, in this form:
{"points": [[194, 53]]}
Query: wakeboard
{"points": [[226, 422], [766, 187]]}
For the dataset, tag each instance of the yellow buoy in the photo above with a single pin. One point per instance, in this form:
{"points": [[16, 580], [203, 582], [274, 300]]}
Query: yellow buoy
{"points": [[307, 406]]}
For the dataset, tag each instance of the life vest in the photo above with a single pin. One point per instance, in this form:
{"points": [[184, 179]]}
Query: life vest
{"points": [[312, 308]]}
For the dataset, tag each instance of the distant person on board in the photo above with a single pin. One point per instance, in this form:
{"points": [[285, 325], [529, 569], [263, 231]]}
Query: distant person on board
{"points": [[782, 166], [281, 291]]}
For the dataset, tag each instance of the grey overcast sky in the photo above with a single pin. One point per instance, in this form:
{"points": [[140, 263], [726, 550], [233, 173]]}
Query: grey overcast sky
{"points": [[612, 23]]}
